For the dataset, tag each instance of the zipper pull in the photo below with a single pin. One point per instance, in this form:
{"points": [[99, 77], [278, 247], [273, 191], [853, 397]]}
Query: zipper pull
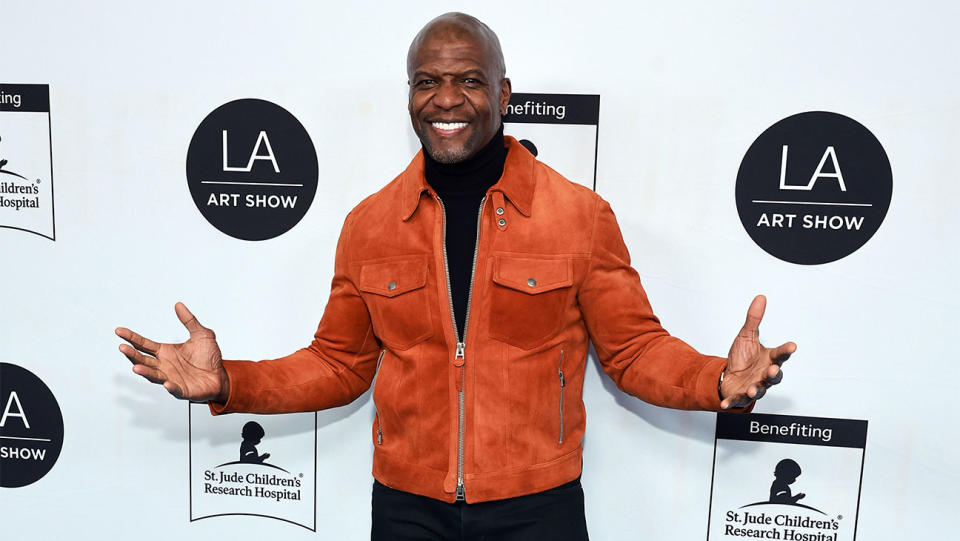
{"points": [[562, 382], [459, 358], [460, 495], [379, 434], [458, 361]]}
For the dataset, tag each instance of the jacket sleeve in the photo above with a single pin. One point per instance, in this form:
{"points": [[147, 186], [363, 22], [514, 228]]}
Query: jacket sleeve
{"points": [[333, 370], [642, 358]]}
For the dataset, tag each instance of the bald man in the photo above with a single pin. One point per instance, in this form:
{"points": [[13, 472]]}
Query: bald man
{"points": [[471, 286]]}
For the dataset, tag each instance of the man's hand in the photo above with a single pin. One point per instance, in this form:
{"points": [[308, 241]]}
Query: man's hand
{"points": [[192, 370], [751, 368]]}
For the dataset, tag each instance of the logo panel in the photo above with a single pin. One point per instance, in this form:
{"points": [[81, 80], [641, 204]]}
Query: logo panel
{"points": [[786, 477], [26, 165], [252, 169], [813, 188], [562, 130], [31, 427], [255, 465]]}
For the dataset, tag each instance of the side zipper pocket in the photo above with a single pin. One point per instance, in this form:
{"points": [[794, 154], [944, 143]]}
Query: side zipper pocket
{"points": [[562, 385], [377, 375]]}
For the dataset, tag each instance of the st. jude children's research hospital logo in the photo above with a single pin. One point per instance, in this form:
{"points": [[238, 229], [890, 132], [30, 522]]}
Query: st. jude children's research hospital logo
{"points": [[559, 129], [264, 484], [26, 165], [786, 477], [253, 465]]}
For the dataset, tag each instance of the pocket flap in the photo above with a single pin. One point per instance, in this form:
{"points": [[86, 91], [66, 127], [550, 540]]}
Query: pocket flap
{"points": [[531, 275], [392, 278]]}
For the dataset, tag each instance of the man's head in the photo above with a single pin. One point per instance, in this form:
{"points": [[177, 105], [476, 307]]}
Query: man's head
{"points": [[458, 88]]}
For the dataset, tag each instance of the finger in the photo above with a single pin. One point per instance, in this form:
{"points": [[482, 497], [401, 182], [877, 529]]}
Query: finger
{"points": [[187, 318], [152, 375], [736, 401], [755, 313], [755, 392], [143, 344], [173, 389], [774, 375], [138, 358], [779, 355]]}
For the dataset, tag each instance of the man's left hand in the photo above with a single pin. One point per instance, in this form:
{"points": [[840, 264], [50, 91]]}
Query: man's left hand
{"points": [[752, 368]]}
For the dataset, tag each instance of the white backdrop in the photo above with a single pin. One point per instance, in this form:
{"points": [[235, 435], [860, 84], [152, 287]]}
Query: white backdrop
{"points": [[685, 89]]}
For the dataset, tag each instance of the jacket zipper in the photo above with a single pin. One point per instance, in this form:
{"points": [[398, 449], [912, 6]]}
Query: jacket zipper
{"points": [[461, 341], [379, 425], [562, 385]]}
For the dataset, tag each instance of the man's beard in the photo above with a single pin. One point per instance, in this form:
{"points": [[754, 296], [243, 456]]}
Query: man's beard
{"points": [[453, 155]]}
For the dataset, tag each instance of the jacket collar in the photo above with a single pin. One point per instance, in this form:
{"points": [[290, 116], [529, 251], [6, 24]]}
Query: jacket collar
{"points": [[517, 182]]}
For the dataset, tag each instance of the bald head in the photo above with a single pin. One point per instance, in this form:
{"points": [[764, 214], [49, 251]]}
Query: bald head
{"points": [[458, 26]]}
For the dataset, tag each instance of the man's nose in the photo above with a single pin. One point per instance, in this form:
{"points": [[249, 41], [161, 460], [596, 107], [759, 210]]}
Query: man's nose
{"points": [[448, 96]]}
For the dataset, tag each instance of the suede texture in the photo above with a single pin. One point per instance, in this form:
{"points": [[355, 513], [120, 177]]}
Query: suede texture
{"points": [[551, 278]]}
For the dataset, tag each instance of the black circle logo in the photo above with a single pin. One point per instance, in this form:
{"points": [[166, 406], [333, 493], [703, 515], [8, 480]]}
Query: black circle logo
{"points": [[813, 188], [31, 427], [252, 169]]}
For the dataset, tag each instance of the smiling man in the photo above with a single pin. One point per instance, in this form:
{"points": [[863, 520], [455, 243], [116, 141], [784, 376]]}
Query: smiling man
{"points": [[471, 286]]}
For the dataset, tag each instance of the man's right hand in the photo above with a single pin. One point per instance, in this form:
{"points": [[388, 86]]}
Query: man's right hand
{"points": [[192, 370]]}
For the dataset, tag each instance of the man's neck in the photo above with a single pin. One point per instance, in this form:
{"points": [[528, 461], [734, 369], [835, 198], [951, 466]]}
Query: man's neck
{"points": [[474, 175]]}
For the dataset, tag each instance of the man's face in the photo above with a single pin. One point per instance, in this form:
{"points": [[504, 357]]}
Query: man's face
{"points": [[456, 96]]}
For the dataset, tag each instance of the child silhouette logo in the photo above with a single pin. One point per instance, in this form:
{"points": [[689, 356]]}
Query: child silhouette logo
{"points": [[785, 474], [3, 163], [252, 434]]}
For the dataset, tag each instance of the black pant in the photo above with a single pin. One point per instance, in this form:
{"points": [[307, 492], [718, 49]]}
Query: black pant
{"points": [[555, 514]]}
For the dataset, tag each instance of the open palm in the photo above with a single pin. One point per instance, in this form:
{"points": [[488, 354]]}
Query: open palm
{"points": [[192, 370]]}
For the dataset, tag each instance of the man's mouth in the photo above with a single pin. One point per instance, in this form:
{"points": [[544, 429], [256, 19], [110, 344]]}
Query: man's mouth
{"points": [[448, 128]]}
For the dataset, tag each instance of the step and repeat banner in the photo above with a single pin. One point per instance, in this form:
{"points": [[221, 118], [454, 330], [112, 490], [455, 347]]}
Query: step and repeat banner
{"points": [[209, 152]]}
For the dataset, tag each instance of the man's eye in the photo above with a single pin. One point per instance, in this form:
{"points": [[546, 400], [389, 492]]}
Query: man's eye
{"points": [[425, 83], [470, 81]]}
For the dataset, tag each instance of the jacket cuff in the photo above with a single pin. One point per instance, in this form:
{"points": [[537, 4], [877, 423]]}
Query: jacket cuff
{"points": [[239, 373]]}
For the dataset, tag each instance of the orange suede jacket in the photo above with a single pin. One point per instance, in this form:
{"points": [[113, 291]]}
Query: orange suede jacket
{"points": [[498, 412]]}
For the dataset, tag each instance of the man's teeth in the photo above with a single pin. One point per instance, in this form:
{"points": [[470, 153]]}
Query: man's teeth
{"points": [[447, 126]]}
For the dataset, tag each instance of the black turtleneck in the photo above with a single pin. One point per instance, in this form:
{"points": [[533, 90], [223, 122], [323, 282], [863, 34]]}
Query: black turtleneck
{"points": [[461, 186]]}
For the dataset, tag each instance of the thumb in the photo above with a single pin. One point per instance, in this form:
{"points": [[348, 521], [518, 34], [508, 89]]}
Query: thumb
{"points": [[188, 319], [755, 313]]}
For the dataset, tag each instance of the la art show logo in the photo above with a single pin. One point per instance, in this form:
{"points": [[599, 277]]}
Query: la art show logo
{"points": [[786, 477], [31, 427], [252, 169], [253, 465], [814, 188], [26, 165]]}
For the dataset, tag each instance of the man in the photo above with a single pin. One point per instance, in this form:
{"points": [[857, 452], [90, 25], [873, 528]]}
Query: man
{"points": [[471, 285]]}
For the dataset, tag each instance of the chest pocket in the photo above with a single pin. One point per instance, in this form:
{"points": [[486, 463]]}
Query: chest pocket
{"points": [[529, 297], [397, 298]]}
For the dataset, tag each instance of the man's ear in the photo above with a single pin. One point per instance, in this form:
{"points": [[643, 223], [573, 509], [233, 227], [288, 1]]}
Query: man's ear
{"points": [[506, 90]]}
